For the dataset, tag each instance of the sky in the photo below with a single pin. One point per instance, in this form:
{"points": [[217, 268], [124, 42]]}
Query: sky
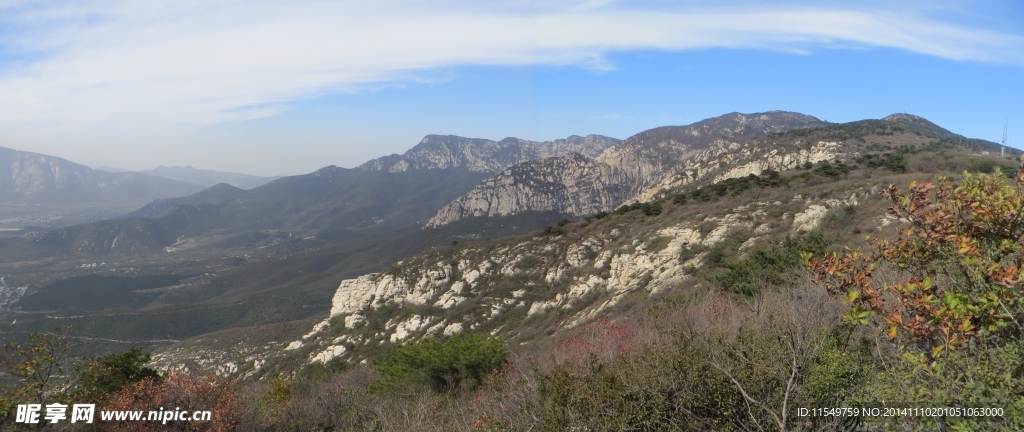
{"points": [[272, 87]]}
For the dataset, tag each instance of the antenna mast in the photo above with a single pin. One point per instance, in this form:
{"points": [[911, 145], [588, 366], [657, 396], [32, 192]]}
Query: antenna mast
{"points": [[1003, 151]]}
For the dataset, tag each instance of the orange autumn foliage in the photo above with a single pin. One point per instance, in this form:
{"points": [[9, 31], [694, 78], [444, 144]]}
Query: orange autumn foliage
{"points": [[958, 265]]}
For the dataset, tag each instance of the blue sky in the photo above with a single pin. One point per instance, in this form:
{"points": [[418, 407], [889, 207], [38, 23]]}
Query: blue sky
{"points": [[268, 87]]}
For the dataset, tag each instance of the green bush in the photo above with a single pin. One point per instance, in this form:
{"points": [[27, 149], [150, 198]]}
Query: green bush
{"points": [[983, 378], [648, 208], [894, 162], [733, 186], [554, 230], [826, 169], [950, 297], [663, 388], [557, 229], [459, 363], [767, 266], [111, 373]]}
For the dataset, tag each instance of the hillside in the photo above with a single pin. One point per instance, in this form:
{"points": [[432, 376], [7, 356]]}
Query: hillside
{"points": [[713, 232]]}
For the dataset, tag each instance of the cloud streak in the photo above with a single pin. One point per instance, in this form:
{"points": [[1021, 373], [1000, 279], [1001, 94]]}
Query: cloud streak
{"points": [[183, 64]]}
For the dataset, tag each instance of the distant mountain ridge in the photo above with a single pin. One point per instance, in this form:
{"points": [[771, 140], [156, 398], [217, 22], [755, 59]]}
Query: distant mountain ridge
{"points": [[482, 155], [580, 185], [34, 177]]}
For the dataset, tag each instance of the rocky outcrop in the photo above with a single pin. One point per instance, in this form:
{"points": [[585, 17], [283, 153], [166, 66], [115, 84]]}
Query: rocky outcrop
{"points": [[809, 219], [632, 170], [572, 184]]}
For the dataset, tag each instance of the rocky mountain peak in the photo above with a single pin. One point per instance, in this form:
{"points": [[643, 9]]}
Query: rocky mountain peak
{"points": [[482, 155], [733, 126], [904, 117]]}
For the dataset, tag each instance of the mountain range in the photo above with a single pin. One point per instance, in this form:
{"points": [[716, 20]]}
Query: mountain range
{"points": [[279, 252], [378, 196]]}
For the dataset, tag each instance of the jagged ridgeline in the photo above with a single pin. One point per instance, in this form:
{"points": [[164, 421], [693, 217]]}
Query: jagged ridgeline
{"points": [[734, 220], [577, 184]]}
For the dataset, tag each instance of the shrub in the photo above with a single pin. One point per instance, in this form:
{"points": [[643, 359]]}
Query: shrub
{"points": [[733, 186], [984, 378], [461, 362], [111, 373], [773, 265], [648, 208], [557, 229], [894, 162], [826, 169], [708, 377]]}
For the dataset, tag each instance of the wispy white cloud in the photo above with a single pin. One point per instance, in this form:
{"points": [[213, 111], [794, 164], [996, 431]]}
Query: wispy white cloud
{"points": [[158, 65]]}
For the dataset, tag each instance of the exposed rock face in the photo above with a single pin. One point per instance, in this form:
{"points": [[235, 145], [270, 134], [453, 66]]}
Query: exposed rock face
{"points": [[571, 184], [779, 160], [809, 219], [26, 176], [631, 170], [328, 354], [481, 155], [374, 289]]}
